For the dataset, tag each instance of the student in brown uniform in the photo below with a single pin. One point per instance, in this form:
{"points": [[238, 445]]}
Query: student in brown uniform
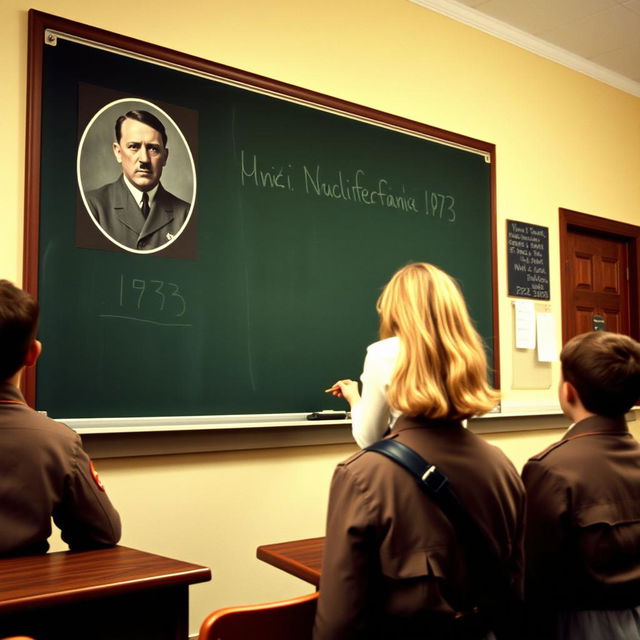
{"points": [[393, 564], [44, 471], [583, 497]]}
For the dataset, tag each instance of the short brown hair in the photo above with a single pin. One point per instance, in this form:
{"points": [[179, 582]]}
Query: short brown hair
{"points": [[604, 368], [19, 314], [146, 118]]}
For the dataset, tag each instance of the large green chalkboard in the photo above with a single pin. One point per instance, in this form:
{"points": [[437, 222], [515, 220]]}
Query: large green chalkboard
{"points": [[302, 213]]}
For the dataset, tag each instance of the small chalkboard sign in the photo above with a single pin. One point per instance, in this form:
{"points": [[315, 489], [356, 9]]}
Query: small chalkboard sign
{"points": [[528, 260]]}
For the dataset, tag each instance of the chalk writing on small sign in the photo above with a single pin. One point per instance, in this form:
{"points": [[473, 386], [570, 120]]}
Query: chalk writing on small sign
{"points": [[528, 260]]}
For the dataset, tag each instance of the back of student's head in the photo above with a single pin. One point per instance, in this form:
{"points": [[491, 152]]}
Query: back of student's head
{"points": [[18, 323], [441, 370], [604, 368]]}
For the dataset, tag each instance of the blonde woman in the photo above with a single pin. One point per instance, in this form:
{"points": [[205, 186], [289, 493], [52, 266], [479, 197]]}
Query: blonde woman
{"points": [[392, 566], [420, 308]]}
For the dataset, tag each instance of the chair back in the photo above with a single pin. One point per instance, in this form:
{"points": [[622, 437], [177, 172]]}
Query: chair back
{"points": [[285, 620]]}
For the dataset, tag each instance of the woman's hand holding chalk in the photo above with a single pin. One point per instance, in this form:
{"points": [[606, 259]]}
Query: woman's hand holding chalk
{"points": [[347, 389], [335, 389]]}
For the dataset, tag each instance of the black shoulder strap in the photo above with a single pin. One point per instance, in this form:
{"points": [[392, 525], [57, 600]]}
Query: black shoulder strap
{"points": [[485, 562], [433, 482]]}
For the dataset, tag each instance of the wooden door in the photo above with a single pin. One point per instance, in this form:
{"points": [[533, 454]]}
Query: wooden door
{"points": [[597, 279], [600, 274]]}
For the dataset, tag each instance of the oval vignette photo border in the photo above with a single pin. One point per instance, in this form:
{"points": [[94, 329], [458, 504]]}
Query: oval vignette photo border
{"points": [[164, 114]]}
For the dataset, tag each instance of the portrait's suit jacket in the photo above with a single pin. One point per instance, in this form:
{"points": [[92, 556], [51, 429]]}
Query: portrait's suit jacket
{"points": [[117, 212], [583, 519]]}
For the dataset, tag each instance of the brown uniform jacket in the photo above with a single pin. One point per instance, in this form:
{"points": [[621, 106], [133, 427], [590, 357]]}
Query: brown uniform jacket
{"points": [[45, 473], [391, 560], [583, 519]]}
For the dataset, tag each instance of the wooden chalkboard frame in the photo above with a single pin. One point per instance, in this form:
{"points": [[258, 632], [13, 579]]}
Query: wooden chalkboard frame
{"points": [[43, 25]]}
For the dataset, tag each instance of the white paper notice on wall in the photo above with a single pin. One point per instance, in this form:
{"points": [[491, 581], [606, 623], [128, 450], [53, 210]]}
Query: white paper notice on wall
{"points": [[547, 349], [525, 324]]}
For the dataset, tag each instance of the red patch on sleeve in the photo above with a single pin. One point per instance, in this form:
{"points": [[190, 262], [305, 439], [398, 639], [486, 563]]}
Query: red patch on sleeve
{"points": [[94, 475]]}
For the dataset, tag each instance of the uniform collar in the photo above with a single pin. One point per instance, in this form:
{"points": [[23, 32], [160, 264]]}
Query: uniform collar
{"points": [[404, 423], [10, 393], [599, 425], [137, 194]]}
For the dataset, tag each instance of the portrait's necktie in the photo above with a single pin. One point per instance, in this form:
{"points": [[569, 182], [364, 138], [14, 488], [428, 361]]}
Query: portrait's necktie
{"points": [[145, 204]]}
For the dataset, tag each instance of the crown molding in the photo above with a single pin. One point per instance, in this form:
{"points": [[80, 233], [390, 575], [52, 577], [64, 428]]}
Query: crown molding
{"points": [[492, 26]]}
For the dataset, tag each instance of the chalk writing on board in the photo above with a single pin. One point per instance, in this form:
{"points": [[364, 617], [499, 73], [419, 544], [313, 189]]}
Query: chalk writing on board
{"points": [[437, 204], [272, 178], [356, 186], [379, 193], [528, 260], [149, 301]]}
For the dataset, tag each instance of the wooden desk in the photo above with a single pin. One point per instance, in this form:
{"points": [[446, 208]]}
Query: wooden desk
{"points": [[301, 558], [107, 594]]}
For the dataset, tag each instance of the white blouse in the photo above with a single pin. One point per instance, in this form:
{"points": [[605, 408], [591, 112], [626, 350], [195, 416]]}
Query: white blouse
{"points": [[372, 416]]}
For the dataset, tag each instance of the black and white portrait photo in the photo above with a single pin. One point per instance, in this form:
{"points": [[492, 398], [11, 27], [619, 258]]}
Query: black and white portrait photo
{"points": [[136, 175]]}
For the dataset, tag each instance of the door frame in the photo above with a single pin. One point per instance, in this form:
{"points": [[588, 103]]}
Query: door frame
{"points": [[574, 221]]}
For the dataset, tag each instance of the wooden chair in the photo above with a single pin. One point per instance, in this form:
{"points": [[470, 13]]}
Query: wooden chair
{"points": [[285, 620]]}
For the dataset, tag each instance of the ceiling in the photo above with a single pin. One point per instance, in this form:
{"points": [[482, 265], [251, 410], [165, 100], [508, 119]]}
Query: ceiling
{"points": [[600, 38]]}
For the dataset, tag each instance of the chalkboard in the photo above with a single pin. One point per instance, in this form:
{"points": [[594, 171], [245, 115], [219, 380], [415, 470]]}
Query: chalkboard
{"points": [[528, 260], [304, 207]]}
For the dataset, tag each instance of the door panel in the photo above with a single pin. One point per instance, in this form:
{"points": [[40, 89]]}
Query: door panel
{"points": [[597, 282], [584, 319], [583, 271], [611, 276], [613, 321]]}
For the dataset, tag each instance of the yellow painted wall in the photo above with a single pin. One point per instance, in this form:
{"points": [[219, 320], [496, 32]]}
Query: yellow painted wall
{"points": [[563, 140]]}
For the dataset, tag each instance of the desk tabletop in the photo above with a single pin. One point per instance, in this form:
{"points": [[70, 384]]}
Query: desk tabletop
{"points": [[300, 558], [65, 576]]}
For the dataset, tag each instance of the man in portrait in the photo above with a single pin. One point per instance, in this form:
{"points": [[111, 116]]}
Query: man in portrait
{"points": [[136, 210]]}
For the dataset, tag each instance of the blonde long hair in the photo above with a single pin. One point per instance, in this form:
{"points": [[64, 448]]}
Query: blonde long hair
{"points": [[441, 370]]}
